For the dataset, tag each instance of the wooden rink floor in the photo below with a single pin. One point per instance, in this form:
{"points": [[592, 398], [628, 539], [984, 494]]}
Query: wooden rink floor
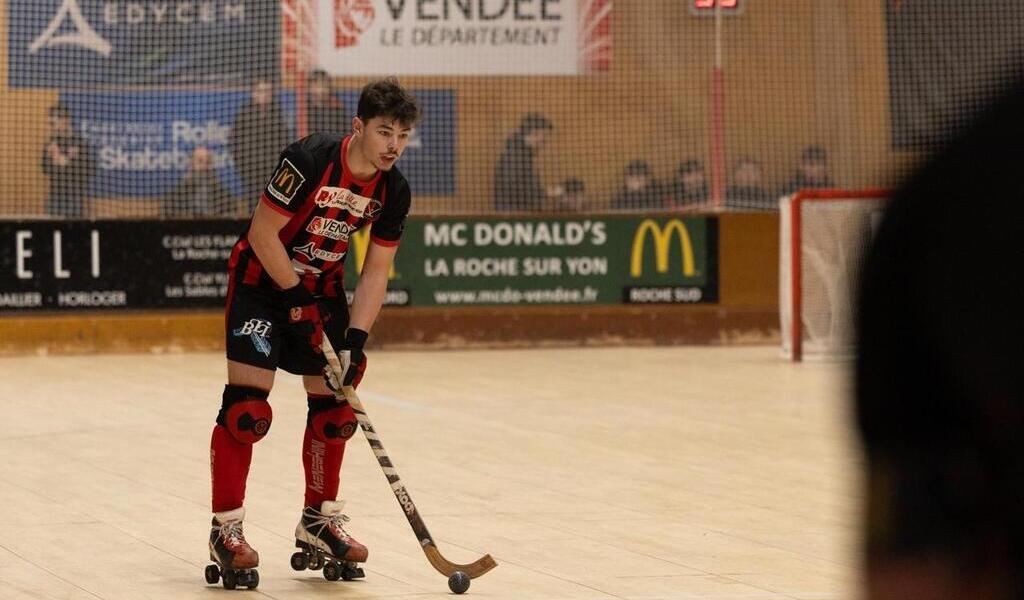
{"points": [[633, 473]]}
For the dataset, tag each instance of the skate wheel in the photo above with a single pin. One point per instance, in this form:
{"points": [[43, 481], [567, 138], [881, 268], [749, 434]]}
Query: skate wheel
{"points": [[300, 562], [348, 573], [230, 579], [316, 562], [332, 572], [252, 580], [212, 574]]}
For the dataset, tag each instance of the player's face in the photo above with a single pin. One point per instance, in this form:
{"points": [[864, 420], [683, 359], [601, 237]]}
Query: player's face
{"points": [[262, 93], [383, 141], [814, 170]]}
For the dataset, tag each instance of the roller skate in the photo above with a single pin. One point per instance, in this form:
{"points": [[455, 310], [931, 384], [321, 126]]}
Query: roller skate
{"points": [[235, 560], [324, 544]]}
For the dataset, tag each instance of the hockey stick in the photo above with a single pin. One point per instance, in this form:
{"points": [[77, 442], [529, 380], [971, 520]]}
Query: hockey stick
{"points": [[443, 565]]}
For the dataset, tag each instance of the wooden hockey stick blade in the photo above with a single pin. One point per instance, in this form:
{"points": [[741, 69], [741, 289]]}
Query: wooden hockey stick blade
{"points": [[445, 567]]}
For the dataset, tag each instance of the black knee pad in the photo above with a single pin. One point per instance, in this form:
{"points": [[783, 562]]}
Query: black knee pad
{"points": [[331, 422], [245, 413]]}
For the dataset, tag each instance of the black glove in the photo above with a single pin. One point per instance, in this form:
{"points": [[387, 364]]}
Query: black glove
{"points": [[352, 357], [304, 315]]}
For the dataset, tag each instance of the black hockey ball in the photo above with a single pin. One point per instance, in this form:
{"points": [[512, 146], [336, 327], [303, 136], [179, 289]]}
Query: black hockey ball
{"points": [[458, 582]]}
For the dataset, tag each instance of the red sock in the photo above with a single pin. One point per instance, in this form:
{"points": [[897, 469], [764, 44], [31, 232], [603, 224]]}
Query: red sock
{"points": [[322, 463], [229, 468]]}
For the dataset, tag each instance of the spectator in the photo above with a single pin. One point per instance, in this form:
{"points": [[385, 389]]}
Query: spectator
{"points": [[517, 186], [199, 193], [640, 190], [324, 112], [257, 137], [747, 190], [812, 172], [690, 187], [69, 163], [571, 196]]}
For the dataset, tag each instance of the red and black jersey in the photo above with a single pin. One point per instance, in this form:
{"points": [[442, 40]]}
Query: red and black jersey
{"points": [[315, 188]]}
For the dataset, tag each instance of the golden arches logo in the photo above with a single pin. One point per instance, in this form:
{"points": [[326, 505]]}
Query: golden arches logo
{"points": [[662, 246], [359, 243]]}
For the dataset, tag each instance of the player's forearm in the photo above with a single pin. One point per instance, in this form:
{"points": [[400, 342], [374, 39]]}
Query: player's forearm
{"points": [[369, 297], [273, 256]]}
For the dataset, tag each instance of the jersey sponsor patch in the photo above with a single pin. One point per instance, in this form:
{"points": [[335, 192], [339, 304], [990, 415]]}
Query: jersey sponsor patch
{"points": [[373, 208], [286, 182], [311, 252], [330, 228], [333, 197]]}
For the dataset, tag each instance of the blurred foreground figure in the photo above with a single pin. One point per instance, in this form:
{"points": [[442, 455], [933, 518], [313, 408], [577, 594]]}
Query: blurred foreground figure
{"points": [[940, 375]]}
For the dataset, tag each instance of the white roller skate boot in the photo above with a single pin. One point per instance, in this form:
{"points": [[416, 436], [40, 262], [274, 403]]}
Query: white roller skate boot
{"points": [[324, 543], [235, 560]]}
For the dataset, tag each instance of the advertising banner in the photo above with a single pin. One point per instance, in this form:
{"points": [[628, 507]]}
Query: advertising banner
{"points": [[81, 265], [478, 37], [143, 140], [75, 43], [611, 260]]}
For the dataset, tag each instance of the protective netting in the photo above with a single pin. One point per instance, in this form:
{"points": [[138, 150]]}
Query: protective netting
{"points": [[171, 108], [817, 294]]}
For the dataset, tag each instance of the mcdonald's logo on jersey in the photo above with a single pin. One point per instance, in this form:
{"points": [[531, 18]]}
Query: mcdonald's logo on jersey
{"points": [[662, 236], [286, 182]]}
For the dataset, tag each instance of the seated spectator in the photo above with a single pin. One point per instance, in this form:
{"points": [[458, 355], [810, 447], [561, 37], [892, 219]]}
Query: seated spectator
{"points": [[570, 196], [812, 172], [517, 186], [199, 193], [690, 187], [747, 190], [69, 163], [639, 190], [324, 111]]}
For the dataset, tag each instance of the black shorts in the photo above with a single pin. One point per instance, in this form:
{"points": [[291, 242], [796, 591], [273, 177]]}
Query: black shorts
{"points": [[258, 332]]}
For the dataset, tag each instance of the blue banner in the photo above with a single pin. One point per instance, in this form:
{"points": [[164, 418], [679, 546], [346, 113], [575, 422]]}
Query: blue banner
{"points": [[143, 141], [79, 43]]}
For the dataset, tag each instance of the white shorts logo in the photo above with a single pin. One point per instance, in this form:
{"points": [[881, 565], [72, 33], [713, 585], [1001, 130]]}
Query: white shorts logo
{"points": [[83, 35], [330, 228], [332, 197]]}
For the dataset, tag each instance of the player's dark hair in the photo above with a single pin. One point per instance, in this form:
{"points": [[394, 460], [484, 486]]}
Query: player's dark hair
{"points": [[59, 110], [638, 167], [387, 97], [318, 75], [690, 166], [534, 121], [574, 186], [814, 154]]}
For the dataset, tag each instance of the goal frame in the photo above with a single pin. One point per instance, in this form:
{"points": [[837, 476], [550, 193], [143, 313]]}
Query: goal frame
{"points": [[797, 203]]}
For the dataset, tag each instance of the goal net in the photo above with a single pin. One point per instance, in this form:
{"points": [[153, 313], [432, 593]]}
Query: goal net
{"points": [[823, 238]]}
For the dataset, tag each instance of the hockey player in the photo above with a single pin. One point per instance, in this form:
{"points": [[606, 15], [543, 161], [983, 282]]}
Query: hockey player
{"points": [[286, 293]]}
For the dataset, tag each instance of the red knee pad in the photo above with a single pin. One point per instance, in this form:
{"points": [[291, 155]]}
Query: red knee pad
{"points": [[245, 413], [331, 422]]}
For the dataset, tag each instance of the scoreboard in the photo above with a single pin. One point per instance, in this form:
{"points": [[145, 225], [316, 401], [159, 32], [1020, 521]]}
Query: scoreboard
{"points": [[708, 8]]}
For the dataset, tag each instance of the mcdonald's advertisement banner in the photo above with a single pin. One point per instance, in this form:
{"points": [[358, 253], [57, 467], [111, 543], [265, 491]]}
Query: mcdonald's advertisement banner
{"points": [[583, 261], [110, 265]]}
